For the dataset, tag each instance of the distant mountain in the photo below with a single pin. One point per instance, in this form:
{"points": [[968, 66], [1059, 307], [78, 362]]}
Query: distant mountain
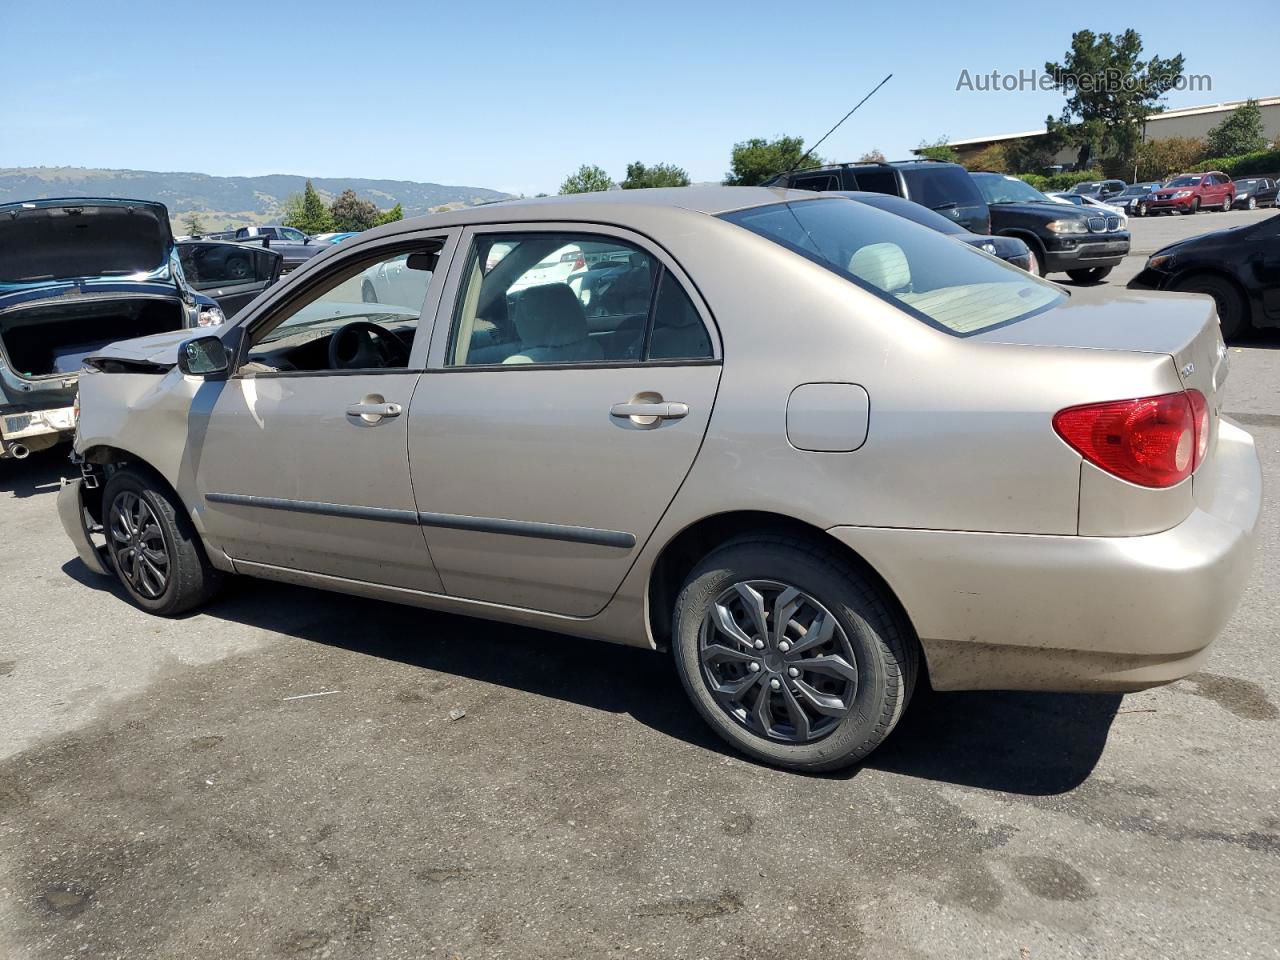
{"points": [[224, 202]]}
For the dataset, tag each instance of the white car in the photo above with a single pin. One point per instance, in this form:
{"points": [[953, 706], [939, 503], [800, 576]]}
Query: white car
{"points": [[1080, 200]]}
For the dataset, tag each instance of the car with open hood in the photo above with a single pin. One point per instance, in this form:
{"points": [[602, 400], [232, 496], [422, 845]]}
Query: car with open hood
{"points": [[814, 447], [75, 275]]}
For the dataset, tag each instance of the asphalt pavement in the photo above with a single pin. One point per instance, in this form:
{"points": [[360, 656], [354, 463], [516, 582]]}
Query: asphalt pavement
{"points": [[282, 776]]}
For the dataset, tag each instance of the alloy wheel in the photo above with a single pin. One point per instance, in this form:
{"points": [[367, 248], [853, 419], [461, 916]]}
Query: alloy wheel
{"points": [[137, 545], [777, 661]]}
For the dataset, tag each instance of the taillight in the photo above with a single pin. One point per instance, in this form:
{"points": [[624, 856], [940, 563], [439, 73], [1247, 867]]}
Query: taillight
{"points": [[1150, 441]]}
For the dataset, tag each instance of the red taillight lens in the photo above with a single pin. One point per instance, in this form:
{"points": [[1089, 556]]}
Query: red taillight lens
{"points": [[1150, 441]]}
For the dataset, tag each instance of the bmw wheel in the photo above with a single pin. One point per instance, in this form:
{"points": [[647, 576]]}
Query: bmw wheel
{"points": [[792, 654], [153, 545]]}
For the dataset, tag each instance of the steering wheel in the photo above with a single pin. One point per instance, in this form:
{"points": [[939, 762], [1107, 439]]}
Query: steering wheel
{"points": [[362, 344]]}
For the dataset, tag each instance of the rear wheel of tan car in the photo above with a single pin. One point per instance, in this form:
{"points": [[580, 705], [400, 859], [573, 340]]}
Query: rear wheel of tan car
{"points": [[792, 654], [153, 545]]}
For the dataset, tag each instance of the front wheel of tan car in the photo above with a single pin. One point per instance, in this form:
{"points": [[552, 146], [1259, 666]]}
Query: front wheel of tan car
{"points": [[153, 545], [792, 654]]}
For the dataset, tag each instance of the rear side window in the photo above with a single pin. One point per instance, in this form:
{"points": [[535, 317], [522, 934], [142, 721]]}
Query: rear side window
{"points": [[878, 181], [935, 186], [818, 181], [945, 284]]}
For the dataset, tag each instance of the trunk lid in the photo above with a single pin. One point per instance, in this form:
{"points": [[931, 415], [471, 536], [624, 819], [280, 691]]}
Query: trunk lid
{"points": [[83, 239], [1182, 326]]}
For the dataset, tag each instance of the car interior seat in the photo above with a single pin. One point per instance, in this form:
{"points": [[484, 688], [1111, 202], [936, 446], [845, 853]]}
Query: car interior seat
{"points": [[552, 327], [882, 265]]}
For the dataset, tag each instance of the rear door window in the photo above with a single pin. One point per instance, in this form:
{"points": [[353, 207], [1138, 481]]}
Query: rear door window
{"points": [[877, 181], [816, 181], [929, 276]]}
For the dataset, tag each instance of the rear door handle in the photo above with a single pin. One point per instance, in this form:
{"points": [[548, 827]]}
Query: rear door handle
{"points": [[667, 410], [373, 412]]}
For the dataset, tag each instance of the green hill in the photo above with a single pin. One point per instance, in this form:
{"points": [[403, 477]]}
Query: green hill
{"points": [[224, 202]]}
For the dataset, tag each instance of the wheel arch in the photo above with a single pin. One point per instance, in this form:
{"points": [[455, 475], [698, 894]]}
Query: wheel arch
{"points": [[1030, 239], [683, 551], [1250, 312]]}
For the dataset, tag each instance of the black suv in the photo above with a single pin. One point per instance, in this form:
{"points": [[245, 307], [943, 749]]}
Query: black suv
{"points": [[944, 187], [1082, 242]]}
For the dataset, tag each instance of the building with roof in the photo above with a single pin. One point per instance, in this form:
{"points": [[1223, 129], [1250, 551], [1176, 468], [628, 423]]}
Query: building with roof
{"points": [[1183, 122]]}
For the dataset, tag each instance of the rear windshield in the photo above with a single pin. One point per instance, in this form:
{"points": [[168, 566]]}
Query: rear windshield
{"points": [[936, 186], [946, 284]]}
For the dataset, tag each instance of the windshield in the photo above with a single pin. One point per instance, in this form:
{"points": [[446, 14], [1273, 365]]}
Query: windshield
{"points": [[945, 284], [1247, 184], [1183, 182], [1085, 188], [1138, 191], [998, 188]]}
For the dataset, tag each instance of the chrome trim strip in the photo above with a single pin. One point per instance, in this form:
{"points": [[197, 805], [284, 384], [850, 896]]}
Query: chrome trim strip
{"points": [[386, 514], [512, 528], [524, 528]]}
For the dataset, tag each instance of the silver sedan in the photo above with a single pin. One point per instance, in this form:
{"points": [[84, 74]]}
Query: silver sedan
{"points": [[808, 447]]}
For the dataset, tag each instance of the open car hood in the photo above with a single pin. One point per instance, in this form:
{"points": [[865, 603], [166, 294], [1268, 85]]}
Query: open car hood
{"points": [[82, 239]]}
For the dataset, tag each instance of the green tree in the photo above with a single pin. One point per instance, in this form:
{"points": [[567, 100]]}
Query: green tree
{"points": [[307, 212], [659, 175], [587, 179], [940, 149], [390, 216], [1241, 131], [756, 160], [1110, 91], [351, 214], [191, 220]]}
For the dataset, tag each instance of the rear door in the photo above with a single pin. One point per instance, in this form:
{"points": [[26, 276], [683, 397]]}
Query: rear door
{"points": [[556, 421]]}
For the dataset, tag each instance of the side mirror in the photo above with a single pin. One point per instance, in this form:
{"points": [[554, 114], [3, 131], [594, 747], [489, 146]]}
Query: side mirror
{"points": [[422, 261], [204, 357]]}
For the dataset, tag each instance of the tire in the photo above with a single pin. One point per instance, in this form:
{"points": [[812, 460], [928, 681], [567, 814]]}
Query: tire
{"points": [[186, 578], [1037, 252], [1251, 203], [1226, 204], [237, 268], [367, 293], [1230, 303], [1089, 274], [866, 633], [1193, 209]]}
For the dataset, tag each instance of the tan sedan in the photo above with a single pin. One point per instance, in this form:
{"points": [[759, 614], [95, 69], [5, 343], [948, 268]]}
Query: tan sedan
{"points": [[805, 445]]}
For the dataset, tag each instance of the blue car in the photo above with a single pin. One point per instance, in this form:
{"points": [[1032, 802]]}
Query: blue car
{"points": [[75, 275]]}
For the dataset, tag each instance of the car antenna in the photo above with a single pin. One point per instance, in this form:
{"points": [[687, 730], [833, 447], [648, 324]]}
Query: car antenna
{"points": [[805, 155]]}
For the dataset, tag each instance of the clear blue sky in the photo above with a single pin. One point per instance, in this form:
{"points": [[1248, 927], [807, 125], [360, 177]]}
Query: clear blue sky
{"points": [[514, 96]]}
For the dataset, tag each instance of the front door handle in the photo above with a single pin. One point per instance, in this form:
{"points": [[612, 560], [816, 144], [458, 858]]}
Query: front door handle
{"points": [[373, 411], [642, 412]]}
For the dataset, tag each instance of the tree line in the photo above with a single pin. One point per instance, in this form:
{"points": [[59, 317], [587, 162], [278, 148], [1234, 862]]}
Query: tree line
{"points": [[347, 213]]}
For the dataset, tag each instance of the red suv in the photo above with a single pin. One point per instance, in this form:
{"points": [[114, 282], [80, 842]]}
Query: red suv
{"points": [[1188, 192]]}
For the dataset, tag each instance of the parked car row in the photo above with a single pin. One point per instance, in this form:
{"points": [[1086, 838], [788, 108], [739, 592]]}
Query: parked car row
{"points": [[1006, 516], [1084, 244]]}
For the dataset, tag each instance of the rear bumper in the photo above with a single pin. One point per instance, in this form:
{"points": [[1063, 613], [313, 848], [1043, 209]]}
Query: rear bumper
{"points": [[1021, 612]]}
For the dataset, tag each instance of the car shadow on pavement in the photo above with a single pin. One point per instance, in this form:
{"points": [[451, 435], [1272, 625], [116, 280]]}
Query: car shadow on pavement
{"points": [[1012, 742], [40, 473]]}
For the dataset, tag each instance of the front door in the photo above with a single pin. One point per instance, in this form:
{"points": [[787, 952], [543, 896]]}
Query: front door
{"points": [[303, 463], [565, 401]]}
